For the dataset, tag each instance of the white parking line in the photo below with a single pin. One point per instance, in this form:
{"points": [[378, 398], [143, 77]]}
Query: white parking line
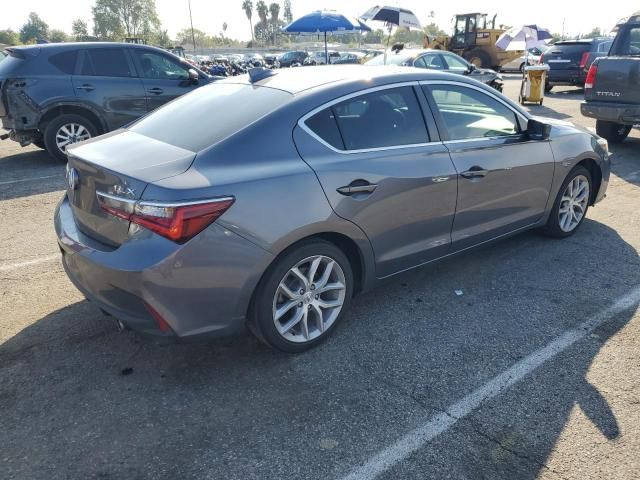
{"points": [[31, 179], [26, 263], [434, 426]]}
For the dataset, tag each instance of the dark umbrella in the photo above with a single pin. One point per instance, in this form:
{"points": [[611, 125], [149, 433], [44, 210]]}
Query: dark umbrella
{"points": [[400, 17], [325, 21]]}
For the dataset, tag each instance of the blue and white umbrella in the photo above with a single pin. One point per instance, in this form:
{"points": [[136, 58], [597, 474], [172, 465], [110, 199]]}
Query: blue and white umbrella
{"points": [[523, 38], [326, 21]]}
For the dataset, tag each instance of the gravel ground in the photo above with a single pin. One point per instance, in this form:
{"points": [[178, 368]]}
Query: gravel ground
{"points": [[81, 400]]}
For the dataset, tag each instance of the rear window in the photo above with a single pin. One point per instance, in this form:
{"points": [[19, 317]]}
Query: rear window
{"points": [[65, 61], [569, 48], [193, 121]]}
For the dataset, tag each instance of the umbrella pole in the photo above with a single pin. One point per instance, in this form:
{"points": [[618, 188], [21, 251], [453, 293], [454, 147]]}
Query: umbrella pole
{"points": [[388, 38], [326, 52]]}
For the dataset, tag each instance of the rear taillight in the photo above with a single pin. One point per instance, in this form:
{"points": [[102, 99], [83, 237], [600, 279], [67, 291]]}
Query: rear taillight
{"points": [[584, 59], [591, 76], [176, 221]]}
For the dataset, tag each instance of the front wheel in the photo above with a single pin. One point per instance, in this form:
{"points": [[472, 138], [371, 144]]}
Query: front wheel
{"points": [[613, 132], [302, 297], [571, 205], [65, 130]]}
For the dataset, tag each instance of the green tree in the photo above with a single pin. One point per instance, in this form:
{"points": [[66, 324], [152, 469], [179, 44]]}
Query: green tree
{"points": [[79, 29], [594, 33], [34, 29], [9, 37], [247, 6], [57, 36], [261, 29], [374, 36], [113, 19], [288, 16], [202, 39]]}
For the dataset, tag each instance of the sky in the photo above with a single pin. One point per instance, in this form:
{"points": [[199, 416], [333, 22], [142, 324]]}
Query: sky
{"points": [[208, 15]]}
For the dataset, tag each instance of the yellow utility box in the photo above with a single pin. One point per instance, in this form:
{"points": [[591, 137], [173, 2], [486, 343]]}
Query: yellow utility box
{"points": [[533, 81]]}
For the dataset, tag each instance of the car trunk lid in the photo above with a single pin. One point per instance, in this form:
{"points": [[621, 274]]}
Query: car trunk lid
{"points": [[122, 163]]}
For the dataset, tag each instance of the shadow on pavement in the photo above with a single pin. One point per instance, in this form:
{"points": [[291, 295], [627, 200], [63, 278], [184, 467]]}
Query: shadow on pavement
{"points": [[626, 159], [235, 409], [31, 172]]}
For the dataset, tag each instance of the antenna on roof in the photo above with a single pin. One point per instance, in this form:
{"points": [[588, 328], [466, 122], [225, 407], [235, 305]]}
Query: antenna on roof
{"points": [[260, 73]]}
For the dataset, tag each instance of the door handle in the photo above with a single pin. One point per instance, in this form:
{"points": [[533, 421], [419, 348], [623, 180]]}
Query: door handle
{"points": [[155, 91], [475, 172], [86, 87], [357, 186]]}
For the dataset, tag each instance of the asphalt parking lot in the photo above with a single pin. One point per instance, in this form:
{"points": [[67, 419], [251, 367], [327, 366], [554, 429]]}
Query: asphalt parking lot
{"points": [[533, 372]]}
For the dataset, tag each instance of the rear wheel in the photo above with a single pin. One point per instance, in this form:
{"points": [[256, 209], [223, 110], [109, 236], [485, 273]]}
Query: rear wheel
{"points": [[66, 130], [302, 297], [571, 205], [613, 132], [479, 58]]}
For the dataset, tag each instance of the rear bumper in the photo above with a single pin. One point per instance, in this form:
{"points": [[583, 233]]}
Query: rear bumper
{"points": [[566, 77], [612, 112], [201, 289]]}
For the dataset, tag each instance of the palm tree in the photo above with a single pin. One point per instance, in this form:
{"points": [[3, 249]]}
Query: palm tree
{"points": [[262, 10], [274, 10], [247, 6]]}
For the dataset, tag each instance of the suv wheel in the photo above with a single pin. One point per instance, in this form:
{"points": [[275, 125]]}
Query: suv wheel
{"points": [[302, 297], [613, 132], [66, 130]]}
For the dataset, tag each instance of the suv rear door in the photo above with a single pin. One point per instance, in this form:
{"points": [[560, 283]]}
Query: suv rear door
{"points": [[163, 76], [107, 81]]}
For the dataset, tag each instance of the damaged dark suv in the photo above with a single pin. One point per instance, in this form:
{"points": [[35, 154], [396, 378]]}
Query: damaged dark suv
{"points": [[57, 94]]}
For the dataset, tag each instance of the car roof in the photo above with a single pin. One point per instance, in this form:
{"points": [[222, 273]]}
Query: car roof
{"points": [[296, 80], [55, 47]]}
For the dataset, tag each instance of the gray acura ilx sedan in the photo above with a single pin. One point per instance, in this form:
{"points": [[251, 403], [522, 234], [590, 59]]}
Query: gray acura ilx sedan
{"points": [[269, 200]]}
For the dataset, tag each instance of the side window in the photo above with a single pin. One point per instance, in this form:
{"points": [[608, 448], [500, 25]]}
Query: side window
{"points": [[385, 118], [158, 66], [433, 62], [420, 63], [469, 113], [456, 64], [324, 125], [604, 47], [106, 62], [65, 61]]}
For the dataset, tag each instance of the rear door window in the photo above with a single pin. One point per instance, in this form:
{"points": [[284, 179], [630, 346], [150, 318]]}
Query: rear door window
{"points": [[65, 61], [471, 114], [106, 62], [385, 118]]}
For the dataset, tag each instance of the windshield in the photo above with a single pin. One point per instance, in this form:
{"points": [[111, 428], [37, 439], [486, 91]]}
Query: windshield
{"points": [[193, 121], [392, 59]]}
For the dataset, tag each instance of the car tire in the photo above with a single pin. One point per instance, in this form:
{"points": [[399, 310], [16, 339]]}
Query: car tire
{"points": [[548, 88], [563, 220], [292, 312], [613, 132], [522, 68], [75, 127], [39, 142]]}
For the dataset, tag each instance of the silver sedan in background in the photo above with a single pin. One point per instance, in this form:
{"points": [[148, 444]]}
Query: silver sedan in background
{"points": [[314, 185]]}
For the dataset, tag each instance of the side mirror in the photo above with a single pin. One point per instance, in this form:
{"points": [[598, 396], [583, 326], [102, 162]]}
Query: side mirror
{"points": [[537, 130], [472, 68], [193, 76]]}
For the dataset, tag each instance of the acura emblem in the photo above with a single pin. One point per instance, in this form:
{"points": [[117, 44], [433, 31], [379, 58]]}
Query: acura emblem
{"points": [[72, 178]]}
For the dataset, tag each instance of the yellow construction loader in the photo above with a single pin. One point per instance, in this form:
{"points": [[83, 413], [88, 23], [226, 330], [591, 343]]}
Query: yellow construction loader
{"points": [[474, 38]]}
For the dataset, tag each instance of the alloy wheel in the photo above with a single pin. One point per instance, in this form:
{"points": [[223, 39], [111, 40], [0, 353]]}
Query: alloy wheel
{"points": [[71, 133], [573, 204], [309, 299]]}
